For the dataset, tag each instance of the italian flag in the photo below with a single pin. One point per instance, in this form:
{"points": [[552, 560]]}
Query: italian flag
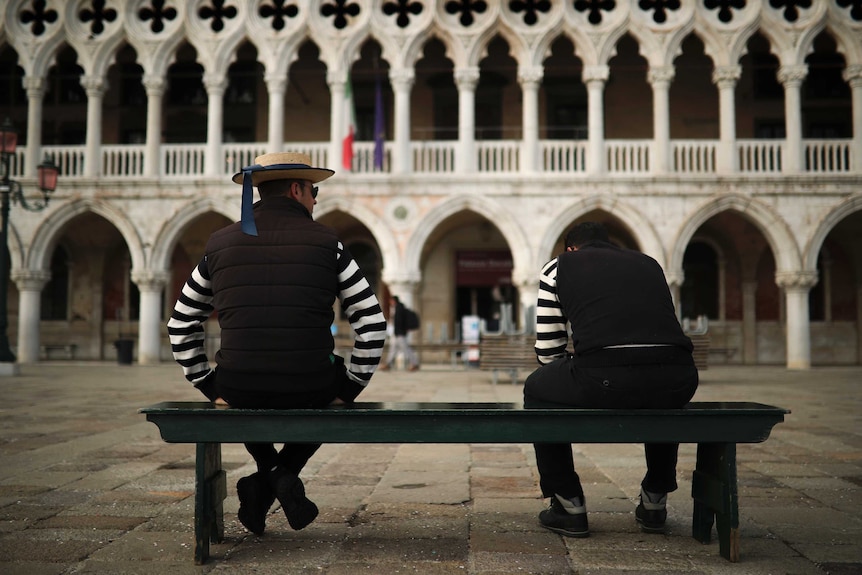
{"points": [[349, 128]]}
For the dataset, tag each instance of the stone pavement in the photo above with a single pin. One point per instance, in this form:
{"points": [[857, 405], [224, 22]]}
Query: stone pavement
{"points": [[87, 486]]}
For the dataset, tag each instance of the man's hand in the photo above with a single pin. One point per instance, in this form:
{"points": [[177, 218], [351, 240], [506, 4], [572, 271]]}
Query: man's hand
{"points": [[220, 401], [338, 401]]}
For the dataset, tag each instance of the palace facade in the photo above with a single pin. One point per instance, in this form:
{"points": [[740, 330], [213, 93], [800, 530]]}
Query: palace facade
{"points": [[722, 138]]}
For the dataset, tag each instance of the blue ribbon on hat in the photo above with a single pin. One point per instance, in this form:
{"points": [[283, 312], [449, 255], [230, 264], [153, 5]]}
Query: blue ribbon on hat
{"points": [[247, 211]]}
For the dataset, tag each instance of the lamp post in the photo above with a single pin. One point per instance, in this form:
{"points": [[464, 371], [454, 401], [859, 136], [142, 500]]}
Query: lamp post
{"points": [[10, 191]]}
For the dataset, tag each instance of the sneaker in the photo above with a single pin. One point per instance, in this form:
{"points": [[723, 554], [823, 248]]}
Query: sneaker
{"points": [[566, 517], [255, 498], [651, 512], [290, 492]]}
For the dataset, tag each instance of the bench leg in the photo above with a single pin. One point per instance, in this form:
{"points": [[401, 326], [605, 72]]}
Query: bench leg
{"points": [[714, 490], [210, 493]]}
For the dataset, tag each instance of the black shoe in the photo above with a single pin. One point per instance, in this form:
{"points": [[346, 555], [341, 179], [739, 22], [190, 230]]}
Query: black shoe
{"points": [[290, 492], [557, 519], [650, 520], [255, 498]]}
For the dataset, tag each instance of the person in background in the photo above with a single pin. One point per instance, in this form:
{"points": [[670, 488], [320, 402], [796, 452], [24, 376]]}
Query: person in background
{"points": [[400, 344], [629, 351], [274, 278]]}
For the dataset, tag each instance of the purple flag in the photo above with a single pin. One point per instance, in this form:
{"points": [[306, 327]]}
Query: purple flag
{"points": [[379, 125]]}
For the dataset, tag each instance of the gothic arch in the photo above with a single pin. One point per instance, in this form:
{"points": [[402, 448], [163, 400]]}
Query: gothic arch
{"points": [[641, 227], [776, 231], [379, 229], [827, 223], [167, 238], [509, 227], [45, 236]]}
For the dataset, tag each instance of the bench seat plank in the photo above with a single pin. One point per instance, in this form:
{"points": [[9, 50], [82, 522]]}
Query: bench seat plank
{"points": [[700, 422]]}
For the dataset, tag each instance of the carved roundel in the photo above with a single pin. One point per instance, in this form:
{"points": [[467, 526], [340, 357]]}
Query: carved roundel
{"points": [[94, 19], [155, 19], [215, 18]]}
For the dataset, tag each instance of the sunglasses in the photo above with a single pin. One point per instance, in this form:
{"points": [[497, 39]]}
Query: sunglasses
{"points": [[314, 192]]}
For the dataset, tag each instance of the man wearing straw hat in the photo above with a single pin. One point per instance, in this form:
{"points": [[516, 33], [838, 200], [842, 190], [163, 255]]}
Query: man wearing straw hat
{"points": [[273, 278]]}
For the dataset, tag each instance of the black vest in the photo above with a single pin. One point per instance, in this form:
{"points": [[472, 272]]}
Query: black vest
{"points": [[274, 292], [614, 296]]}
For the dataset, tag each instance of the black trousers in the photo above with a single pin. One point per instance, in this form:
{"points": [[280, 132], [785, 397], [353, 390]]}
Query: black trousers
{"points": [[234, 388], [668, 380]]}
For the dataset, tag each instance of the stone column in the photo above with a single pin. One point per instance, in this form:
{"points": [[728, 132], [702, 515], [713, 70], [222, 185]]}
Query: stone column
{"points": [[530, 79], [660, 78], [674, 284], [858, 323], [95, 87], [35, 86], [151, 285], [155, 86], [595, 78], [796, 286], [337, 86], [402, 83], [791, 77], [726, 77], [466, 79], [853, 76], [30, 284], [215, 84], [527, 282], [275, 87], [749, 321]]}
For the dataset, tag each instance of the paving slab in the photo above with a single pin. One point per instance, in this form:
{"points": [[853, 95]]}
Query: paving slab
{"points": [[88, 486]]}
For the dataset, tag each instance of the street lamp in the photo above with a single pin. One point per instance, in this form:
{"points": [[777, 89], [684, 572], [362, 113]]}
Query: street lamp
{"points": [[11, 192]]}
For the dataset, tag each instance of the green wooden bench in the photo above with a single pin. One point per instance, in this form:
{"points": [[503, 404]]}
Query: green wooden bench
{"points": [[716, 428]]}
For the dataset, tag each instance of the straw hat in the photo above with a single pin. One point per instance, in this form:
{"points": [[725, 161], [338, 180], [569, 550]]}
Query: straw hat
{"points": [[280, 166]]}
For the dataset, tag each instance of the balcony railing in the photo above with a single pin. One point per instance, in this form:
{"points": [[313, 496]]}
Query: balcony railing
{"points": [[622, 157]]}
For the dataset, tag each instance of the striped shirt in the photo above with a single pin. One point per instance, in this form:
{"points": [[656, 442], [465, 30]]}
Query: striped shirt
{"points": [[194, 306], [551, 331]]}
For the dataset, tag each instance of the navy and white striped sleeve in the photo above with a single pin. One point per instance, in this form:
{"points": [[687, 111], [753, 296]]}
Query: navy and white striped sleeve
{"points": [[365, 317], [185, 328], [551, 334]]}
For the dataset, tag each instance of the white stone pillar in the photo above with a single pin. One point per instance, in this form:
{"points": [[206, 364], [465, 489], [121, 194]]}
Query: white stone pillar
{"points": [[660, 78], [275, 87], [796, 286], [726, 77], [530, 79], [791, 77], [95, 87], [595, 78], [466, 79], [155, 86], [35, 86], [337, 86], [215, 84], [151, 285], [674, 283], [749, 321], [30, 284], [402, 83], [853, 76], [527, 282]]}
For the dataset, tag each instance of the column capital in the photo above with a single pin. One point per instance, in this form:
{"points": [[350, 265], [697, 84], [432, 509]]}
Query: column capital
{"points": [[796, 280], [674, 279], [467, 78], [792, 76], [275, 83], [150, 280], [726, 76], [660, 75], [853, 74], [94, 85], [215, 82], [596, 74], [525, 279], [154, 84], [402, 78], [34, 85], [30, 280], [530, 74]]}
